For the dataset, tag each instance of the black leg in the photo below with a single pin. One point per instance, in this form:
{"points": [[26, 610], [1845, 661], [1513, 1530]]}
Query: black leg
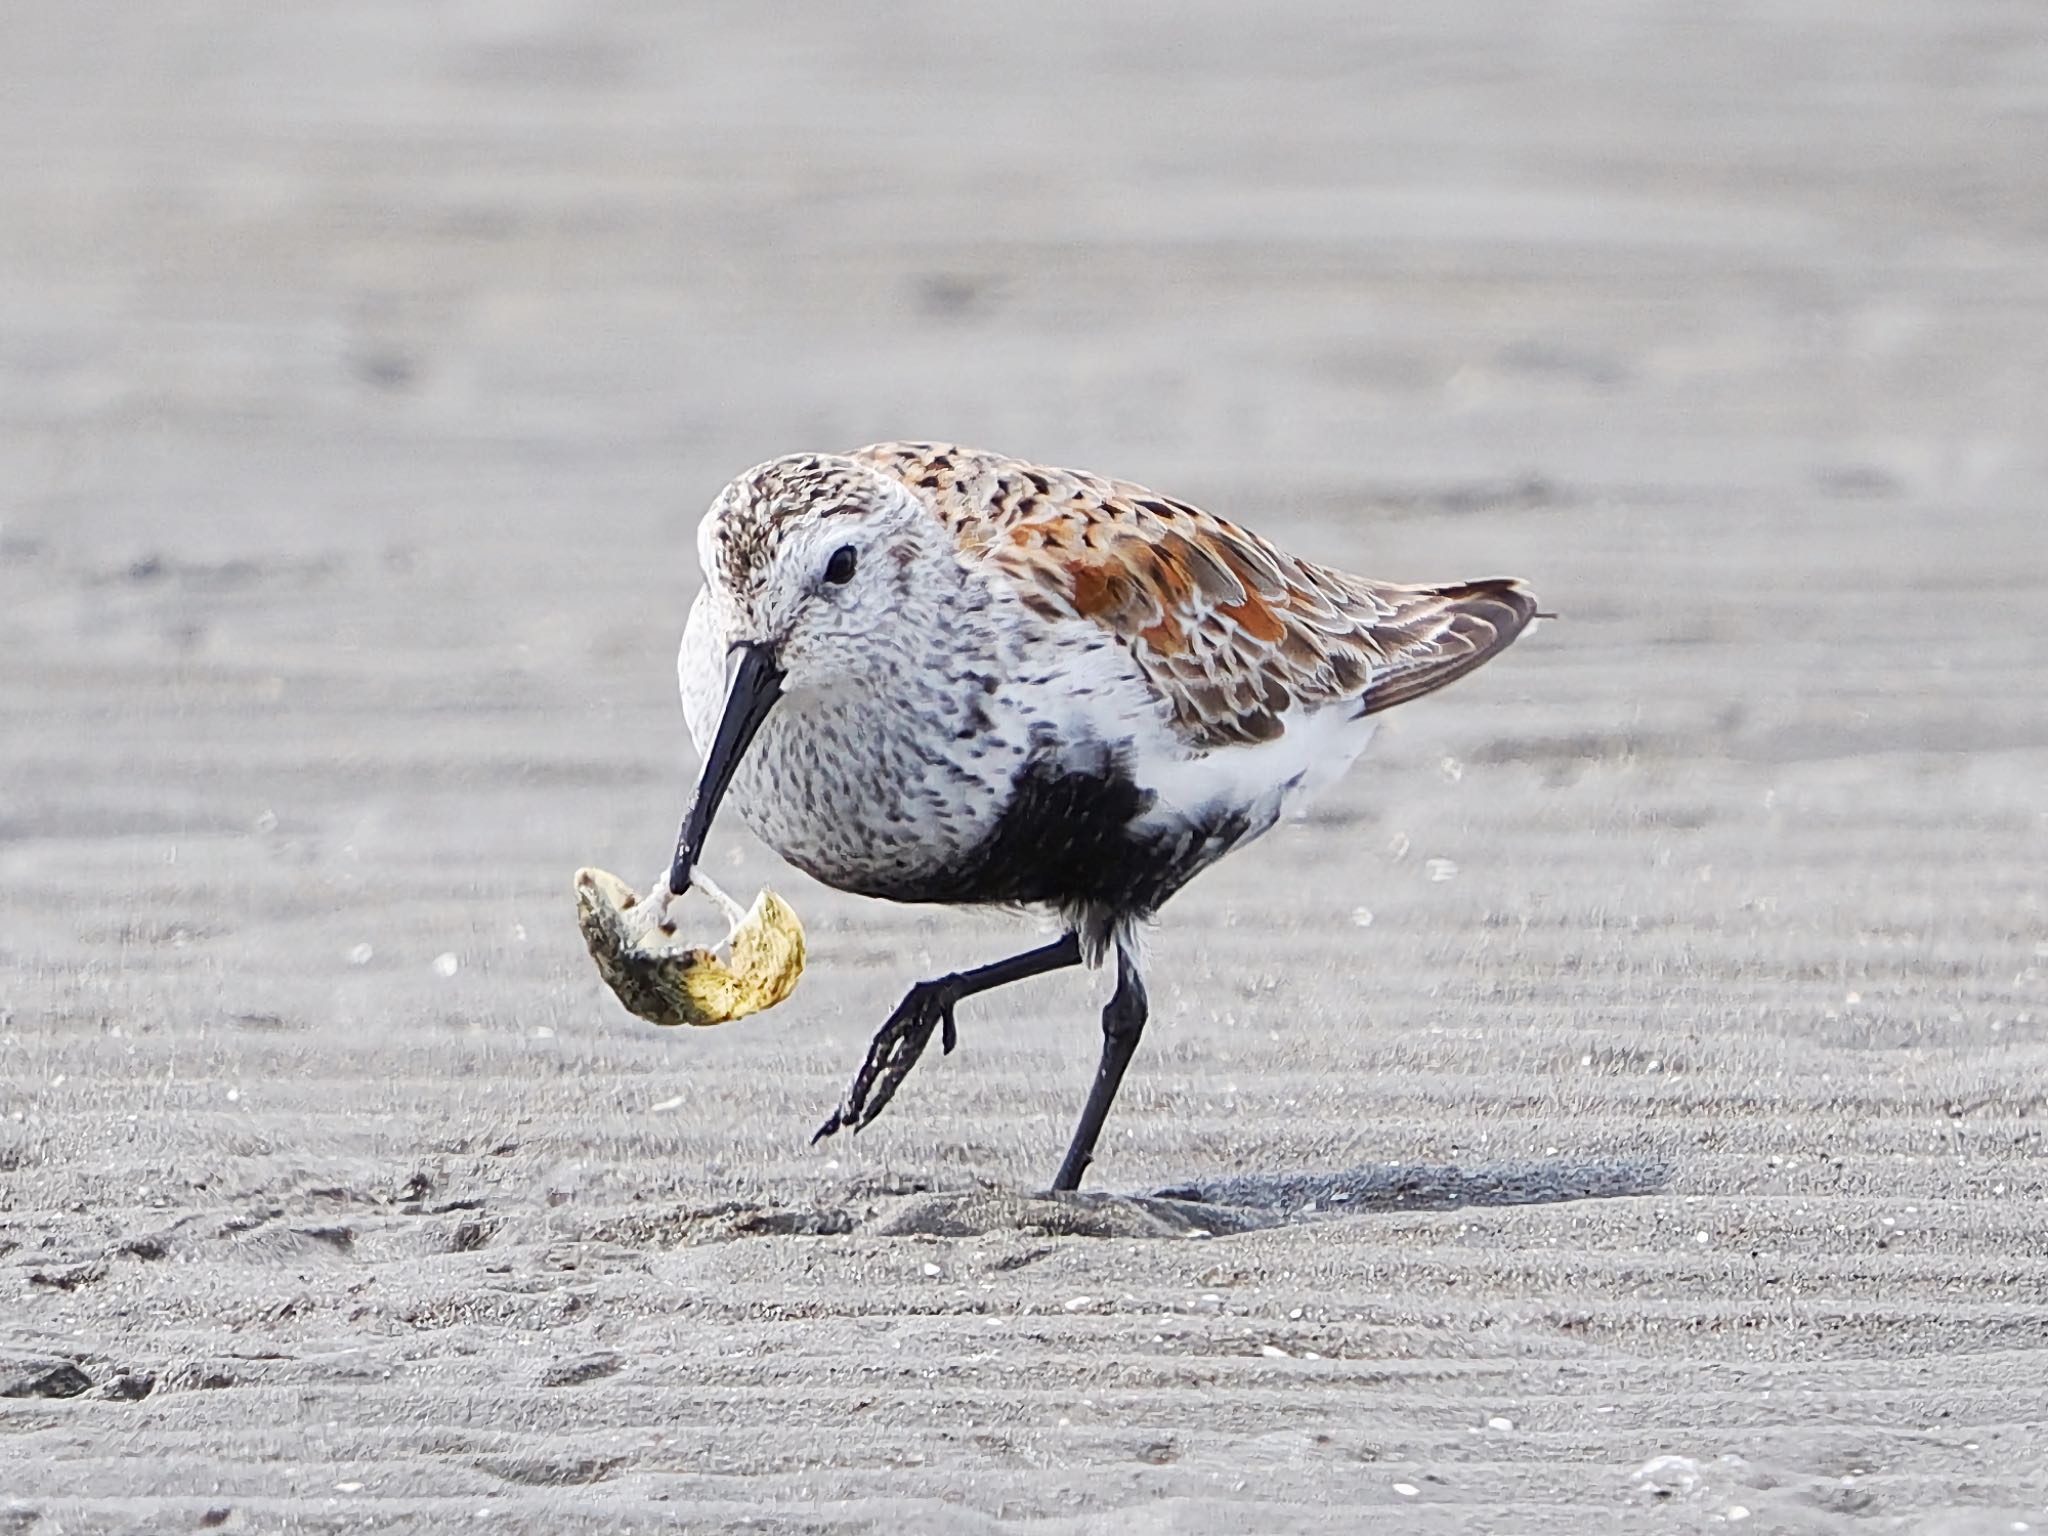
{"points": [[1122, 1022], [925, 1007]]}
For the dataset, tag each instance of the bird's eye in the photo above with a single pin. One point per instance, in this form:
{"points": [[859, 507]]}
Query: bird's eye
{"points": [[839, 569]]}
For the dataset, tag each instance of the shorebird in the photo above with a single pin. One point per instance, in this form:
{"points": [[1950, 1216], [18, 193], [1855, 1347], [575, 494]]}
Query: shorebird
{"points": [[934, 674]]}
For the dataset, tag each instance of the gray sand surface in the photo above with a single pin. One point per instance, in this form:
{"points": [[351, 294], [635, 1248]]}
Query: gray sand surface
{"points": [[363, 371]]}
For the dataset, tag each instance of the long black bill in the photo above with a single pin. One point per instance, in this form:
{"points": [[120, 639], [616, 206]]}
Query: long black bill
{"points": [[753, 682]]}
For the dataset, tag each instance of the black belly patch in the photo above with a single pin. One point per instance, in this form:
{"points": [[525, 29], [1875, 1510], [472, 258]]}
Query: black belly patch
{"points": [[1066, 840]]}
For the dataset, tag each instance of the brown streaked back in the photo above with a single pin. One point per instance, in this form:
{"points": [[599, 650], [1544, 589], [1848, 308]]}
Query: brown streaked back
{"points": [[1232, 630]]}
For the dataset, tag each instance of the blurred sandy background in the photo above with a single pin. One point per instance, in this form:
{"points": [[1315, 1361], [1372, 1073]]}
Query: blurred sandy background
{"points": [[363, 372]]}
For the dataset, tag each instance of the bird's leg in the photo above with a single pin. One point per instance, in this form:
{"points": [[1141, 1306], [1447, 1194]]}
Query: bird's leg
{"points": [[925, 1007], [1123, 1020]]}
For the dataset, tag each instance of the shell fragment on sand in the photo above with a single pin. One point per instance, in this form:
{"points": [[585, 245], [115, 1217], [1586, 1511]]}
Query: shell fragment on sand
{"points": [[669, 983]]}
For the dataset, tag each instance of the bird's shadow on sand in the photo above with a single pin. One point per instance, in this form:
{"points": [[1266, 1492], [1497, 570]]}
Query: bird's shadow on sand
{"points": [[1218, 1207]]}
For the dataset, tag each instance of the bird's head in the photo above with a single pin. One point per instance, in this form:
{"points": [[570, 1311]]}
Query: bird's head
{"points": [[811, 557], [812, 566]]}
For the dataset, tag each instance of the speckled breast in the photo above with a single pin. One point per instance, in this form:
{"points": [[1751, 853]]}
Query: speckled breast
{"points": [[871, 796]]}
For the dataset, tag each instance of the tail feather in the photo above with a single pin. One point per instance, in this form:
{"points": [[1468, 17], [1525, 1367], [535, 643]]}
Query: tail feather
{"points": [[1435, 635]]}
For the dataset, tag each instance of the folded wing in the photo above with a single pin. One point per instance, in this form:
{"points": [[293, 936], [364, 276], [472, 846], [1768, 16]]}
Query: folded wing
{"points": [[1233, 631]]}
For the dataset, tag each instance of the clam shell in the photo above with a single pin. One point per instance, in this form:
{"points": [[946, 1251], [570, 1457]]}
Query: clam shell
{"points": [[669, 983]]}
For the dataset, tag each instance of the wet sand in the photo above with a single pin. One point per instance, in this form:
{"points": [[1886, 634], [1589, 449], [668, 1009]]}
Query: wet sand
{"points": [[1668, 997]]}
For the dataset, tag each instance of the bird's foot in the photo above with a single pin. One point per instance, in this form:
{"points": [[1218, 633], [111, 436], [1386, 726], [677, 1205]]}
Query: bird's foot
{"points": [[892, 1053]]}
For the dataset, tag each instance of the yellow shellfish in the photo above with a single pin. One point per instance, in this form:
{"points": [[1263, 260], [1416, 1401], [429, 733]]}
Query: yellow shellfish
{"points": [[669, 983]]}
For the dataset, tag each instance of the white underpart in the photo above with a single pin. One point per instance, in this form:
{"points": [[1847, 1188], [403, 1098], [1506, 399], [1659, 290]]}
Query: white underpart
{"points": [[1111, 701], [1273, 777]]}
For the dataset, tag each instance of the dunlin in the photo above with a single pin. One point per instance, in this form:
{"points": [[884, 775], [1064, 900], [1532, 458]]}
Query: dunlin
{"points": [[933, 674]]}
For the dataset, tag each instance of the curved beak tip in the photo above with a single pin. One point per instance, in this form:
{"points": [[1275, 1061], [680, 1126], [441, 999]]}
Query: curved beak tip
{"points": [[753, 682]]}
